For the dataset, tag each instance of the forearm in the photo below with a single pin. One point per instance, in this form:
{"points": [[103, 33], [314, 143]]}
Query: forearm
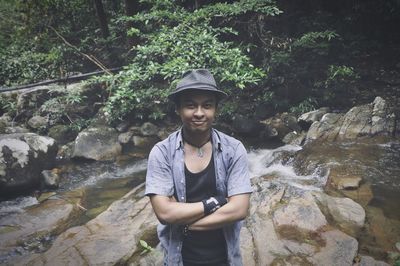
{"points": [[236, 209], [169, 211]]}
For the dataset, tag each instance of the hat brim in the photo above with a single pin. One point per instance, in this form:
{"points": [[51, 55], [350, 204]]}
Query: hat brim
{"points": [[220, 94]]}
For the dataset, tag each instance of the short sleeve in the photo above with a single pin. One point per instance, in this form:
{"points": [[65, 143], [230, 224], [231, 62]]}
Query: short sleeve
{"points": [[159, 174], [238, 173]]}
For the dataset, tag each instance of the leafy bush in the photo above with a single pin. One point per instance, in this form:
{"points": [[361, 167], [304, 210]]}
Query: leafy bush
{"points": [[176, 40]]}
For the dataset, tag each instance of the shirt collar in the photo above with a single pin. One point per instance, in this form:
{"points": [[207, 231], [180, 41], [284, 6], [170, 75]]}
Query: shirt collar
{"points": [[216, 139]]}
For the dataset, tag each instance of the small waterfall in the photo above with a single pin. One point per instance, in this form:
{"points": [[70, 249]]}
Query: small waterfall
{"points": [[270, 162]]}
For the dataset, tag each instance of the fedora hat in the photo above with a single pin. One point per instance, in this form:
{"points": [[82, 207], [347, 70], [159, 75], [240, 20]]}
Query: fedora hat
{"points": [[197, 79]]}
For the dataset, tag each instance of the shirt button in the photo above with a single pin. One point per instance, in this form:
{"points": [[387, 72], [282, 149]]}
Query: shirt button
{"points": [[181, 180], [182, 197]]}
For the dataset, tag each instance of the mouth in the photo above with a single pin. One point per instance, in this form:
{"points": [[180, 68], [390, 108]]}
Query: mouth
{"points": [[198, 123]]}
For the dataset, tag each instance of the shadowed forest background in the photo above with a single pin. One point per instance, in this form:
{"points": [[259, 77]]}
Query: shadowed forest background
{"points": [[270, 56]]}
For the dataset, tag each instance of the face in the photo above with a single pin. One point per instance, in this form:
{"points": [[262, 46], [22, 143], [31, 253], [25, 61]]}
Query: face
{"points": [[197, 110]]}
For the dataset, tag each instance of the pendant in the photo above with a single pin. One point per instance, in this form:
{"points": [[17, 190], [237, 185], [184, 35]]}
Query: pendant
{"points": [[200, 152]]}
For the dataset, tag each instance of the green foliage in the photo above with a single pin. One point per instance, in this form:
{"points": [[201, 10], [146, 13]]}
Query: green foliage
{"points": [[307, 105], [337, 74], [176, 40], [146, 247], [8, 105], [315, 39], [60, 109]]}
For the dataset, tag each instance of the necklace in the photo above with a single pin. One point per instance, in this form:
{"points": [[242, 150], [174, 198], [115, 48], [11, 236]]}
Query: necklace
{"points": [[200, 151]]}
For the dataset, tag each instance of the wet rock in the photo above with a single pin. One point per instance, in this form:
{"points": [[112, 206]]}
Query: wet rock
{"points": [[294, 138], [62, 134], [109, 239], [348, 182], [22, 158], [37, 222], [301, 213], [306, 119], [345, 212], [51, 178], [37, 122], [149, 129], [340, 249], [100, 144]]}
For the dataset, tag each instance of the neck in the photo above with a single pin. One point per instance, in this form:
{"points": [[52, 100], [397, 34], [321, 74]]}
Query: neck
{"points": [[196, 139]]}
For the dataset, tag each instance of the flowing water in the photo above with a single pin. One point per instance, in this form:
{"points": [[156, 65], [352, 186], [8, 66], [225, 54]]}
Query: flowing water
{"points": [[297, 168]]}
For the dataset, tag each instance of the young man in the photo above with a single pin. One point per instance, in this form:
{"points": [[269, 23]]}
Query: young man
{"points": [[198, 181]]}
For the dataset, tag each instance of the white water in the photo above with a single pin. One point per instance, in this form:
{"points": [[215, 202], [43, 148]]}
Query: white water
{"points": [[16, 205], [266, 162], [137, 167]]}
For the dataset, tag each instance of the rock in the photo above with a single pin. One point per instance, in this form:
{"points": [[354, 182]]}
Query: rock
{"points": [[37, 122], [51, 178], [398, 246], [109, 239], [294, 138], [125, 137], [37, 223], [5, 121], [149, 129], [246, 126], [283, 124], [369, 261], [22, 158], [340, 249], [327, 128], [247, 248], [15, 129], [30, 100], [348, 182], [66, 151], [100, 144], [301, 213], [348, 214], [62, 134], [123, 126], [306, 119], [144, 142]]}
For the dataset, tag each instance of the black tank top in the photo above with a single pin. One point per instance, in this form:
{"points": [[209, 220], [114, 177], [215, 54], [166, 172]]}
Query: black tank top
{"points": [[203, 247]]}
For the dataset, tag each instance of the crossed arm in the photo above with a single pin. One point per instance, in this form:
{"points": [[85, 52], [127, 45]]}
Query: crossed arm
{"points": [[169, 211]]}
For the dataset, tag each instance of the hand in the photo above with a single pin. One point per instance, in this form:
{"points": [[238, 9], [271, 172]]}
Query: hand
{"points": [[212, 204]]}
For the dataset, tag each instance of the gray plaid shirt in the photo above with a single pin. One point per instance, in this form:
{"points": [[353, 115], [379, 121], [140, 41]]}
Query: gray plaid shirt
{"points": [[165, 174]]}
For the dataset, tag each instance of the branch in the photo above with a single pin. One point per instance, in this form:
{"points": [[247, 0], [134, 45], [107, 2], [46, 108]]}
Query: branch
{"points": [[90, 57]]}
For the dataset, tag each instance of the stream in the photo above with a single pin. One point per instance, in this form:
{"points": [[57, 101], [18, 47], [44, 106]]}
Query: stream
{"points": [[296, 168]]}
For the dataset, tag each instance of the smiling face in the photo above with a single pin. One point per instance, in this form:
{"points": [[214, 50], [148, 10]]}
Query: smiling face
{"points": [[197, 110]]}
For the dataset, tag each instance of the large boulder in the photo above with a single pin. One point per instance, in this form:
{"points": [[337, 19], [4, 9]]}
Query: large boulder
{"points": [[348, 214], [112, 238], [23, 156], [97, 143], [376, 118]]}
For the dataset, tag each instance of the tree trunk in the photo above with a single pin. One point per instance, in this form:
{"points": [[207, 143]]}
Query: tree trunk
{"points": [[101, 15]]}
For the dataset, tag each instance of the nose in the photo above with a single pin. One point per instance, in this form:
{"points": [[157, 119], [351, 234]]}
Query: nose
{"points": [[199, 112]]}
